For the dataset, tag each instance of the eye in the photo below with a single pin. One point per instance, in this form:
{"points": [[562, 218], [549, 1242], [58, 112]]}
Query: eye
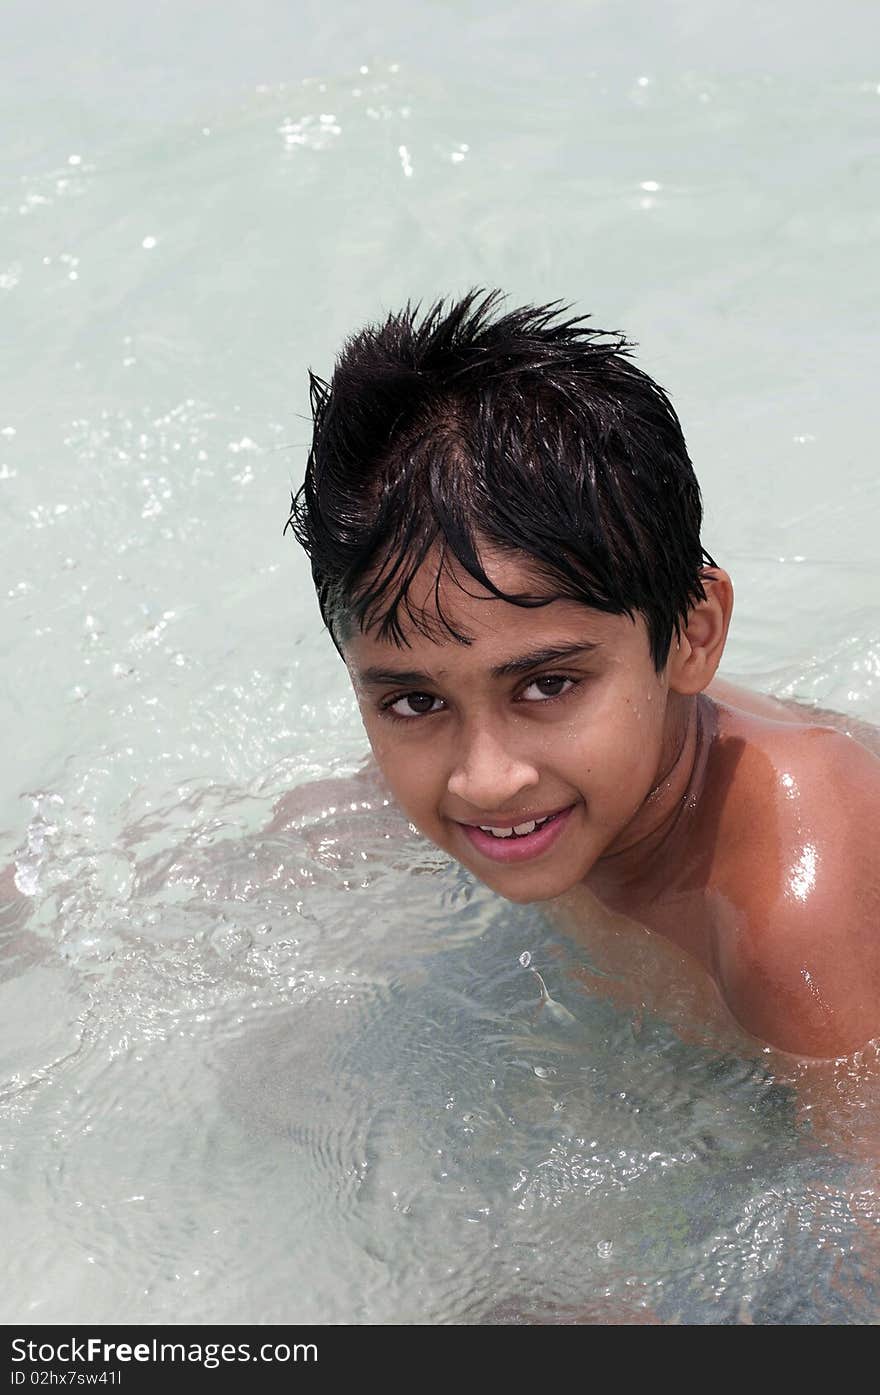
{"points": [[409, 705], [551, 681]]}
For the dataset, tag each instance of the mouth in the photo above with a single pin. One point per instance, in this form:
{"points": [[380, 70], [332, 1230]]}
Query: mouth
{"points": [[507, 842]]}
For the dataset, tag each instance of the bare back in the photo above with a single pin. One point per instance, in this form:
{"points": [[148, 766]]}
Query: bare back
{"points": [[788, 710]]}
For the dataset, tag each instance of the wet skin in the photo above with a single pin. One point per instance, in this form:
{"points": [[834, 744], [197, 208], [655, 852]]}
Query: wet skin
{"points": [[724, 823]]}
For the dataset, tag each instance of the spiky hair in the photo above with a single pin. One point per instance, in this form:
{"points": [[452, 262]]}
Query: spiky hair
{"points": [[526, 431]]}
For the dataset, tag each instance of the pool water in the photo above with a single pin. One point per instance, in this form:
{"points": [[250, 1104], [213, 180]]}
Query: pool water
{"points": [[278, 1065]]}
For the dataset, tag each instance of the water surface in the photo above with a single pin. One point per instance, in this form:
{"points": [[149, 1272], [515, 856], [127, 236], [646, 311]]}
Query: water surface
{"points": [[294, 1070]]}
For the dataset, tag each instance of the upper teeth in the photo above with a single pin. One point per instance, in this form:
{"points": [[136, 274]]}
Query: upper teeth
{"points": [[517, 828]]}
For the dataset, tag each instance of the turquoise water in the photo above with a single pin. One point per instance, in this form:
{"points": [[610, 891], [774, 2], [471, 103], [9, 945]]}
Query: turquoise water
{"points": [[294, 1070]]}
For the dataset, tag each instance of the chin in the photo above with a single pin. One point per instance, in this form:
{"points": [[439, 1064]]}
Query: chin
{"points": [[529, 894], [527, 898]]}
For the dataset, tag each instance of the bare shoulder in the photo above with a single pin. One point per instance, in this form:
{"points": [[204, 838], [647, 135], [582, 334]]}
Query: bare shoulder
{"points": [[788, 710], [797, 890], [781, 775]]}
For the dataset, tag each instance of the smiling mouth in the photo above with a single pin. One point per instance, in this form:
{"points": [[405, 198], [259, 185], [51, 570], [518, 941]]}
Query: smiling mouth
{"points": [[505, 845], [519, 830], [523, 829]]}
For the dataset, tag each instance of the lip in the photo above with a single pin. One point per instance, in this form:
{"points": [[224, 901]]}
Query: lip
{"points": [[518, 849], [509, 822]]}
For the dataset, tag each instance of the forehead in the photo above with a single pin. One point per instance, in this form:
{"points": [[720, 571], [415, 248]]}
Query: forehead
{"points": [[497, 629]]}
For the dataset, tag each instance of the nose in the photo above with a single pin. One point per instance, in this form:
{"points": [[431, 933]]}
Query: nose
{"points": [[489, 774]]}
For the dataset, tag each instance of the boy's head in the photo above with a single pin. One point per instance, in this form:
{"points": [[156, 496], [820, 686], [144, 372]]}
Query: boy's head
{"points": [[526, 432], [510, 502]]}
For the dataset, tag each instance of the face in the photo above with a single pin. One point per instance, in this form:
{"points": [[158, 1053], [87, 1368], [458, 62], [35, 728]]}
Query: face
{"points": [[555, 711]]}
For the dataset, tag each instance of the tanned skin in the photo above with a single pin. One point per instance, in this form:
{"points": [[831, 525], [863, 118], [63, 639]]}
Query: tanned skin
{"points": [[740, 830]]}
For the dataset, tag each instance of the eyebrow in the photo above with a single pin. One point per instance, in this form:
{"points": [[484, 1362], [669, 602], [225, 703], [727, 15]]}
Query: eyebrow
{"points": [[537, 658]]}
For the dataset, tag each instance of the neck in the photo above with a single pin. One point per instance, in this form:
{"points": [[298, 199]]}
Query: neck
{"points": [[643, 859]]}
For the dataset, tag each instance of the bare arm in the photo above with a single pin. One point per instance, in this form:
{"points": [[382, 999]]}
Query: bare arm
{"points": [[366, 788], [363, 790]]}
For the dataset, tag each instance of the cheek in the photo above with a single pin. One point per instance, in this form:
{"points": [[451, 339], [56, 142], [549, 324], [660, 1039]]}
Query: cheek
{"points": [[616, 755], [407, 767]]}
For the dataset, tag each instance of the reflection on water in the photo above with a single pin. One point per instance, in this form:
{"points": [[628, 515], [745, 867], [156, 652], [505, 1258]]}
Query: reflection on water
{"points": [[244, 1092], [289, 1066]]}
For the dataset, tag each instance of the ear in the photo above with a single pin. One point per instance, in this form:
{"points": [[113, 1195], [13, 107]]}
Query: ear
{"points": [[694, 659]]}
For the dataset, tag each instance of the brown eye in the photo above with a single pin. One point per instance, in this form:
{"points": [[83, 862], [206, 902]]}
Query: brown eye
{"points": [[548, 686], [411, 705]]}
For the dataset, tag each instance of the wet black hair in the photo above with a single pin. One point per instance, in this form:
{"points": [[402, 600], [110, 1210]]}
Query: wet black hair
{"points": [[525, 431]]}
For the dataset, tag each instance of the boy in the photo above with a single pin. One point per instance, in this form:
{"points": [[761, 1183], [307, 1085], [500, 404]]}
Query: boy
{"points": [[504, 531]]}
